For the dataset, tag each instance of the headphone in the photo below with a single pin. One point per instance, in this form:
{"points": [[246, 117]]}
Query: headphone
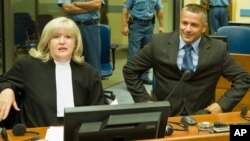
{"points": [[170, 129], [20, 130], [243, 113]]}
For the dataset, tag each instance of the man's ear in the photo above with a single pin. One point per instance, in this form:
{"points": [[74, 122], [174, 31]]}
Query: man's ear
{"points": [[205, 27]]}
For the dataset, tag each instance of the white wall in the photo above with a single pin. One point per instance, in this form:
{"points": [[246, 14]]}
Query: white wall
{"points": [[236, 6]]}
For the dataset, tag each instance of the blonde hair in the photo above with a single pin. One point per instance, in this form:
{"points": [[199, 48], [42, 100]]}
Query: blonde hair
{"points": [[42, 51]]}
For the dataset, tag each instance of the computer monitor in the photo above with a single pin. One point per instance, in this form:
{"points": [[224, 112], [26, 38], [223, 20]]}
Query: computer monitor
{"points": [[116, 122]]}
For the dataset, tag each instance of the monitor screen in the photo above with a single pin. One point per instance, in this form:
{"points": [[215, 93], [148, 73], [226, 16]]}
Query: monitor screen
{"points": [[116, 122]]}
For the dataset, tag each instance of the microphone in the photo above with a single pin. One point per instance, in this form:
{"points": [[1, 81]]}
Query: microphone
{"points": [[186, 75], [20, 130], [169, 129], [4, 134], [243, 113]]}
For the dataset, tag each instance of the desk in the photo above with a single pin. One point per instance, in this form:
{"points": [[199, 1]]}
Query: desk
{"points": [[192, 134], [40, 130], [233, 23]]}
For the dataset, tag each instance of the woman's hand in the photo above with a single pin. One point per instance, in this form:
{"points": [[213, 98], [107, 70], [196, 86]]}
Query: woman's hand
{"points": [[7, 99]]}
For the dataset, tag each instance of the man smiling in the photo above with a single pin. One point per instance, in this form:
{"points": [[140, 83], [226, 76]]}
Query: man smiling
{"points": [[208, 58]]}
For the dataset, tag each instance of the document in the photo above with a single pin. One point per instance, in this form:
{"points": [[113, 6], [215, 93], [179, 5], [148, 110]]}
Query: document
{"points": [[115, 102], [54, 133]]}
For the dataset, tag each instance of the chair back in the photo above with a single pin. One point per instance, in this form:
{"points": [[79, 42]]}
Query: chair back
{"points": [[41, 21], [106, 66], [105, 33], [238, 38], [24, 27]]}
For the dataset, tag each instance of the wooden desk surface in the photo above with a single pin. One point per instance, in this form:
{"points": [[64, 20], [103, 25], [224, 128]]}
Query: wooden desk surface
{"points": [[40, 130], [192, 134]]}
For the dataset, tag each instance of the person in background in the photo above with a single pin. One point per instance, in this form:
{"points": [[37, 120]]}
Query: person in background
{"points": [[52, 77], [218, 14], [86, 15], [202, 59], [103, 12], [139, 26]]}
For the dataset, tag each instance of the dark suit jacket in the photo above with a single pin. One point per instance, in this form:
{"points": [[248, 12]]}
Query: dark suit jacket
{"points": [[199, 91], [35, 82]]}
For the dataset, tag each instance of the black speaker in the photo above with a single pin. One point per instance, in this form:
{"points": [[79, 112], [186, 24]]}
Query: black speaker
{"points": [[20, 130]]}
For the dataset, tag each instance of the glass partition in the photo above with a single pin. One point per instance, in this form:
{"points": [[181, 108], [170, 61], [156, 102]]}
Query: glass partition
{"points": [[1, 37]]}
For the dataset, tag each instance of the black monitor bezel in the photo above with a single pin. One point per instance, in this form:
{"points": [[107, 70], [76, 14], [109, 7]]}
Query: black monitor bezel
{"points": [[74, 117]]}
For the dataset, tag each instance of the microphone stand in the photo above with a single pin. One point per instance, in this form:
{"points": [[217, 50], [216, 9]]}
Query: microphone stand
{"points": [[186, 75]]}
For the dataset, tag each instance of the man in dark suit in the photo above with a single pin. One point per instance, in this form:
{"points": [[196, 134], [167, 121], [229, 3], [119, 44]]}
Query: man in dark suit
{"points": [[165, 53]]}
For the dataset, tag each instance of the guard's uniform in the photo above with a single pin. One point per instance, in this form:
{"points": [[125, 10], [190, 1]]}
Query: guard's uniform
{"points": [[218, 15], [140, 24]]}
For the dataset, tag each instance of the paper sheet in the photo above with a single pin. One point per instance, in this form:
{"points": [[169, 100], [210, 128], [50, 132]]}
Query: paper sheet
{"points": [[115, 102], [54, 133]]}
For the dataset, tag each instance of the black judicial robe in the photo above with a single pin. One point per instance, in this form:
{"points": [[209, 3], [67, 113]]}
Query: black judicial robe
{"points": [[35, 86]]}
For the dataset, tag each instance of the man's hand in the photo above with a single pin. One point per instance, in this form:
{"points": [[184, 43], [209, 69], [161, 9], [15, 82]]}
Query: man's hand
{"points": [[125, 30], [161, 29], [7, 99], [214, 108], [125, 18]]}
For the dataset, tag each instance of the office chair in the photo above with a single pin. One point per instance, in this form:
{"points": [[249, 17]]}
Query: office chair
{"points": [[106, 67], [237, 37], [41, 21], [24, 29], [23, 19]]}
